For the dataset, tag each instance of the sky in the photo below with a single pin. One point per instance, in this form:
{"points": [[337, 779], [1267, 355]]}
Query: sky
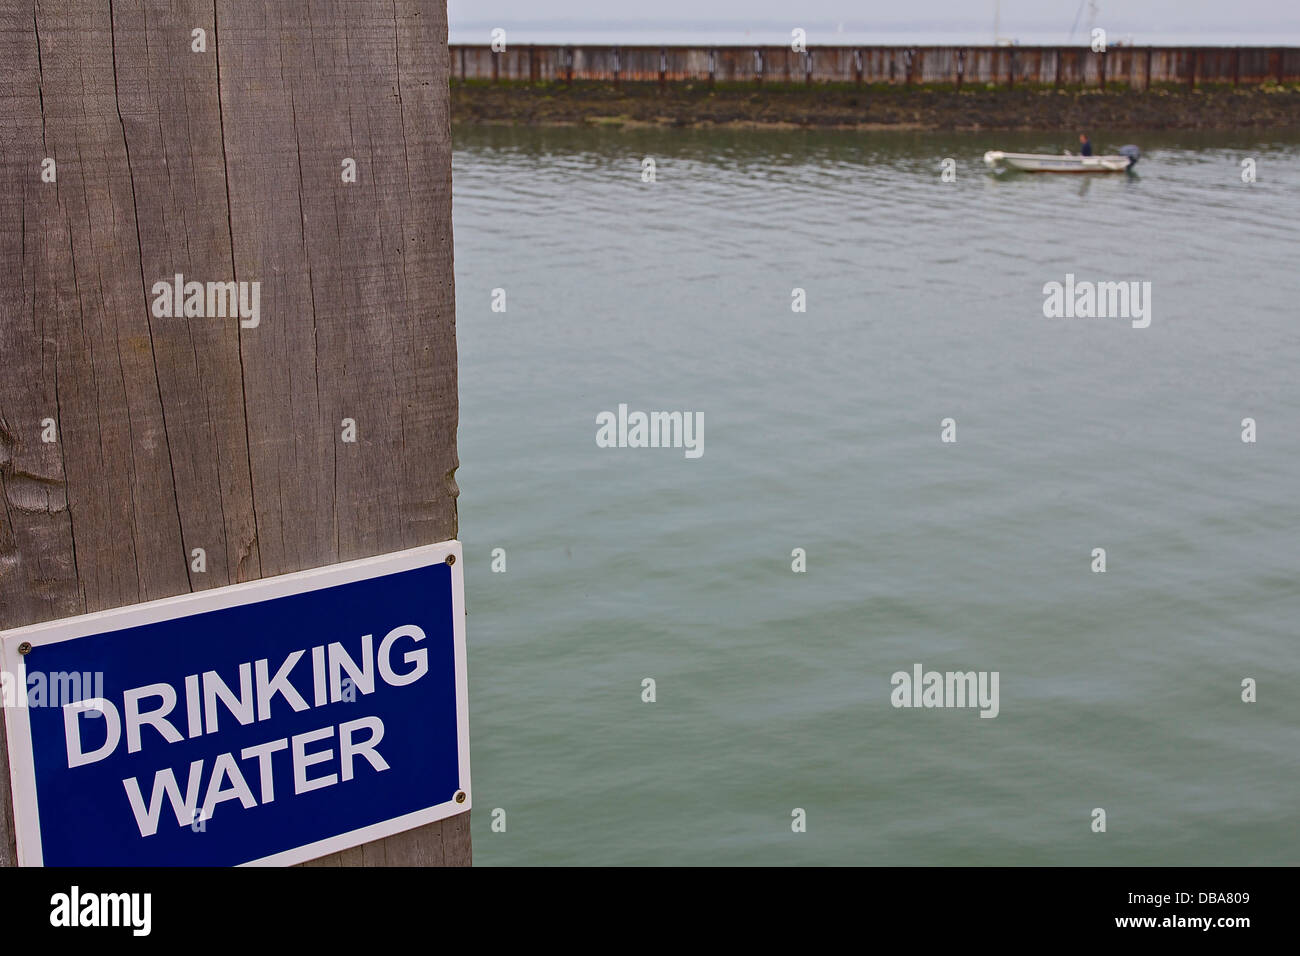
{"points": [[846, 21]]}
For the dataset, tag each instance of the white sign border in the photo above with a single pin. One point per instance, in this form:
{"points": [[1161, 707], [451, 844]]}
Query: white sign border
{"points": [[22, 768]]}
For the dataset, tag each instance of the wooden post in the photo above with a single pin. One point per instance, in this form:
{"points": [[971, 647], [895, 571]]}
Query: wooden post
{"points": [[1101, 69], [1148, 79], [713, 66], [618, 66], [1060, 56], [663, 69], [173, 434]]}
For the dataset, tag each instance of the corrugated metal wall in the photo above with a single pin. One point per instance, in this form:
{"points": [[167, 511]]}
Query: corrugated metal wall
{"points": [[1137, 67]]}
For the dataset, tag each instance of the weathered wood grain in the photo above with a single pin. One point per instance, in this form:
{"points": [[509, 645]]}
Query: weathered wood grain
{"points": [[174, 433]]}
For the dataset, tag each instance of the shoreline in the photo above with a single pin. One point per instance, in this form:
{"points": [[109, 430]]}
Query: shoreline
{"points": [[868, 108]]}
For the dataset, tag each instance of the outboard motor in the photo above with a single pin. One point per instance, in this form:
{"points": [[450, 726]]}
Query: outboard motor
{"points": [[1132, 152]]}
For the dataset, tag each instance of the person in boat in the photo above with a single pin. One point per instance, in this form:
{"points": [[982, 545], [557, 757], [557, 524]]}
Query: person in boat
{"points": [[1085, 145]]}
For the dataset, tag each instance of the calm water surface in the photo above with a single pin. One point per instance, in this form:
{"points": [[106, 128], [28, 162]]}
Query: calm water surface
{"points": [[822, 431]]}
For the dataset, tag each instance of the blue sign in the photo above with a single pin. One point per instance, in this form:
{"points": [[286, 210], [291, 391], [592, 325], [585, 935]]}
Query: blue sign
{"points": [[270, 722]]}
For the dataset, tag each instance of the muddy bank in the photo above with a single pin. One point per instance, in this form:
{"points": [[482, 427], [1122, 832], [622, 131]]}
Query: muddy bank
{"points": [[849, 107]]}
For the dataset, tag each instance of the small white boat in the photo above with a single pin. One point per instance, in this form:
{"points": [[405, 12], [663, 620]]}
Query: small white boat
{"points": [[1125, 159]]}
